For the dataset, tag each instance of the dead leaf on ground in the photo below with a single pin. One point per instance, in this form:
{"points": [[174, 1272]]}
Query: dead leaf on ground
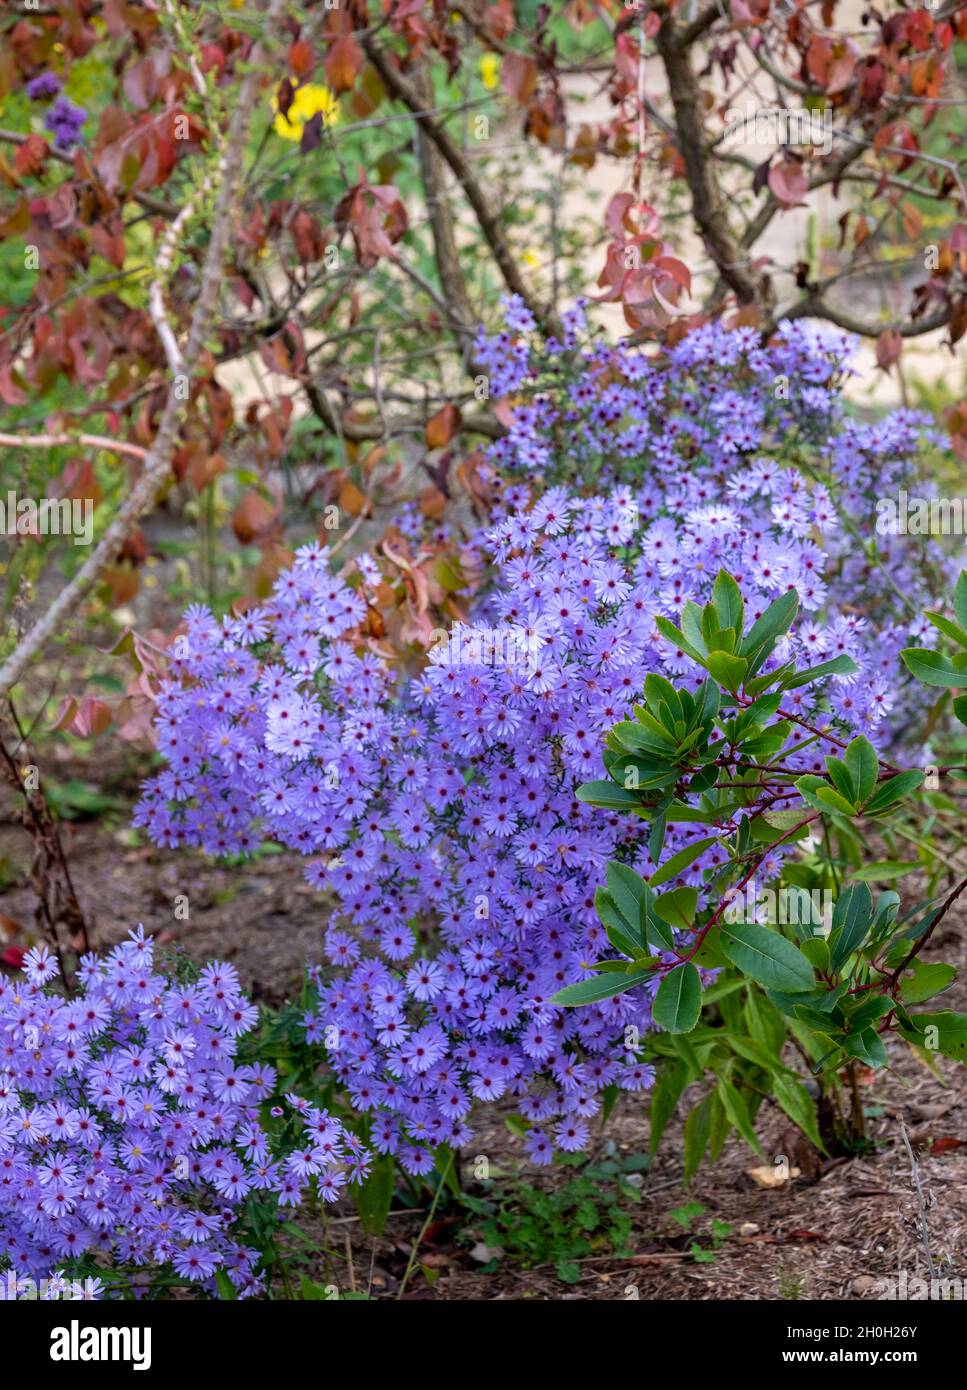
{"points": [[769, 1176]]}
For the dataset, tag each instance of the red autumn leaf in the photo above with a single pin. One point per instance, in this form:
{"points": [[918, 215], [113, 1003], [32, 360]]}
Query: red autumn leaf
{"points": [[31, 155], [616, 217], [788, 183], [889, 345], [342, 63], [518, 76], [441, 428], [301, 58], [10, 392], [13, 958], [83, 717], [678, 270], [253, 517], [947, 1144], [18, 222], [10, 927], [108, 244]]}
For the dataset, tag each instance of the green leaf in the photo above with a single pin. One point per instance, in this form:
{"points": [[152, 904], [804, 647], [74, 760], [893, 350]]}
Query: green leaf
{"points": [[863, 765], [697, 1127], [893, 789], [960, 598], [785, 819], [866, 1047], [374, 1197], [885, 870], [680, 861], [839, 666], [656, 836], [923, 980], [608, 795], [628, 889], [311, 1292], [852, 918], [671, 634], [933, 668], [671, 1080], [763, 1021], [796, 1101], [719, 1126], [736, 1110], [622, 936], [949, 629], [754, 1052], [830, 799], [727, 601], [775, 621], [594, 990], [226, 1289], [766, 957], [730, 671], [677, 907], [944, 1032], [816, 951], [678, 1002]]}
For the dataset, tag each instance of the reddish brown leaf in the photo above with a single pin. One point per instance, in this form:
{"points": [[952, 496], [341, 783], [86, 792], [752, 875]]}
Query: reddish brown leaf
{"points": [[301, 58], [342, 63], [788, 183], [889, 345], [441, 428], [519, 77], [31, 155], [253, 517]]}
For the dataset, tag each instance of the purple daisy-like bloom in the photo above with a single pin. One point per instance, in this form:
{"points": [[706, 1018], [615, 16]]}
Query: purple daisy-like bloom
{"points": [[65, 120], [44, 86], [142, 1157]]}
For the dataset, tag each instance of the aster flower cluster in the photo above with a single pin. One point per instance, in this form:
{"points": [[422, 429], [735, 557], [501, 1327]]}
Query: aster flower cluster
{"points": [[65, 120], [129, 1131], [44, 86], [441, 809]]}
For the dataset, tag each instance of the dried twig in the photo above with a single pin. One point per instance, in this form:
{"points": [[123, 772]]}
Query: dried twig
{"points": [[924, 1200]]}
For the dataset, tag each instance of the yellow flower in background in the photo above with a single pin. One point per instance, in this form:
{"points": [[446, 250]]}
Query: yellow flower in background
{"points": [[490, 70], [531, 258], [308, 101]]}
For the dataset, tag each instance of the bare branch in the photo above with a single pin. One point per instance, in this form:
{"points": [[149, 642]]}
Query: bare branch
{"points": [[708, 203], [488, 219], [58, 441]]}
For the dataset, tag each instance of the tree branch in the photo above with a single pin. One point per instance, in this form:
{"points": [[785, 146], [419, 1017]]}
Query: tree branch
{"points": [[57, 441], [460, 313], [493, 232], [815, 306], [708, 204]]}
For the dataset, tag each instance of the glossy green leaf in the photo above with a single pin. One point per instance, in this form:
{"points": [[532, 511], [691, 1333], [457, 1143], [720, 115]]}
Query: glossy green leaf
{"points": [[678, 1002], [679, 862], [766, 957], [933, 668]]}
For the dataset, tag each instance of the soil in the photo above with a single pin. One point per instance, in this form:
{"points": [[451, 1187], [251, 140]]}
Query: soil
{"points": [[832, 1237]]}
